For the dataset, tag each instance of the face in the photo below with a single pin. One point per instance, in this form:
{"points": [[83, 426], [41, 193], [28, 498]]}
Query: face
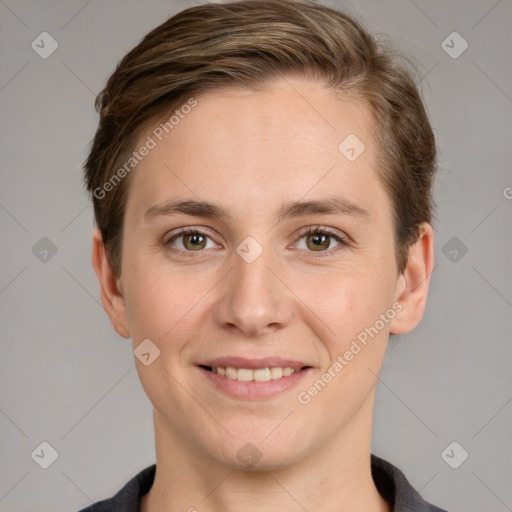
{"points": [[289, 265]]}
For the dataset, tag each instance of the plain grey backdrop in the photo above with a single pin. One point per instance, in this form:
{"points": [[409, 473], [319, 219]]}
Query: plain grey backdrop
{"points": [[444, 404]]}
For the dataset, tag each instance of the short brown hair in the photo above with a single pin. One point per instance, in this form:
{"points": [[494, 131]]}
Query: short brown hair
{"points": [[250, 43]]}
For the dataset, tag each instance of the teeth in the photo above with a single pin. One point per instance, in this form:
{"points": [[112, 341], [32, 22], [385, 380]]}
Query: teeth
{"points": [[244, 374], [258, 375], [231, 372], [261, 374], [276, 373]]}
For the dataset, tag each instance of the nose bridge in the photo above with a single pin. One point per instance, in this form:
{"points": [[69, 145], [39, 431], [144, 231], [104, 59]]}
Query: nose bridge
{"points": [[251, 272], [253, 298]]}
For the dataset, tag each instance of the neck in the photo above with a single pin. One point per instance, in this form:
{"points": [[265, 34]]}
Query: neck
{"points": [[334, 476]]}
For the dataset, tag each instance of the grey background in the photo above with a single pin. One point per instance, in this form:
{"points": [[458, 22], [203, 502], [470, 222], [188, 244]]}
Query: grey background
{"points": [[65, 376]]}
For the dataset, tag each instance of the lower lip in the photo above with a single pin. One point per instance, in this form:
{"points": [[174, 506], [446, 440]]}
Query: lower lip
{"points": [[254, 390]]}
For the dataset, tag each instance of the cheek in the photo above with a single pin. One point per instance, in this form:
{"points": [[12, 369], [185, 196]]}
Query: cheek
{"points": [[350, 303], [155, 301], [345, 301], [169, 307], [354, 342]]}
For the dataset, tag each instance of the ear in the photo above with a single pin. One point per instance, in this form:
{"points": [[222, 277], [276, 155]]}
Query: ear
{"points": [[413, 283], [111, 296]]}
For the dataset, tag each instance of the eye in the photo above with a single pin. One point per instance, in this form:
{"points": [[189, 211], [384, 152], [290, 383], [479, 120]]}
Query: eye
{"points": [[316, 239], [319, 239], [189, 240]]}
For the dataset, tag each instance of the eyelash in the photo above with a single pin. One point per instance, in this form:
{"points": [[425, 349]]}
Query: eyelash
{"points": [[312, 230]]}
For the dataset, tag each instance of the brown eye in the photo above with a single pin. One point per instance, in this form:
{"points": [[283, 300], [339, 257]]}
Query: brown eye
{"points": [[194, 241], [318, 241], [189, 240]]}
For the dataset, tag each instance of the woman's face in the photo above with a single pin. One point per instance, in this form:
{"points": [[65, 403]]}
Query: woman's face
{"points": [[252, 289]]}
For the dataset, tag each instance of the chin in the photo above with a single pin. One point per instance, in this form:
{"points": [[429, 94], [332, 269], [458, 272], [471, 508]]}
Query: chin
{"points": [[257, 454]]}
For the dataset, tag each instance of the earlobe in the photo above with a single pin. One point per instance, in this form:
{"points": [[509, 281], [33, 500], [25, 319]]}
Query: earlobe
{"points": [[413, 283], [110, 290]]}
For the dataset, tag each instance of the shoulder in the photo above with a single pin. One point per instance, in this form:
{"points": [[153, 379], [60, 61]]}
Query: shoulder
{"points": [[127, 499], [396, 489]]}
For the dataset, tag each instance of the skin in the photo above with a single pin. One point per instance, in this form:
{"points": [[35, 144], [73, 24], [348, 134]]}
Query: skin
{"points": [[251, 153]]}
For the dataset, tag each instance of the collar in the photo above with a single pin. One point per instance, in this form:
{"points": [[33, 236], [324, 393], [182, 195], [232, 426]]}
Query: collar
{"points": [[389, 480]]}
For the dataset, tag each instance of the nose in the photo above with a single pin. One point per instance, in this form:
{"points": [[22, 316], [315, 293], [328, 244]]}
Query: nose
{"points": [[254, 298]]}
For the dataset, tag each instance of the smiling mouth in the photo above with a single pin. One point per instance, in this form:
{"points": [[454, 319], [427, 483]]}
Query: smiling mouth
{"points": [[258, 374]]}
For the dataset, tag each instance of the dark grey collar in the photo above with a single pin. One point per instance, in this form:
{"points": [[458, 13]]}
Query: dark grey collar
{"points": [[389, 480]]}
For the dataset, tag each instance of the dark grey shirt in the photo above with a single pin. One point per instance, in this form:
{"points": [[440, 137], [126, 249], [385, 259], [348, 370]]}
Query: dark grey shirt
{"points": [[389, 480]]}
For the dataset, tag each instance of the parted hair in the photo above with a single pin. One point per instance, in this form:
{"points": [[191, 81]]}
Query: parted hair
{"points": [[251, 43]]}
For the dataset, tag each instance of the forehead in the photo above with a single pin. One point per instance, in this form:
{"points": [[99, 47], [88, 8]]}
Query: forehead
{"points": [[239, 147]]}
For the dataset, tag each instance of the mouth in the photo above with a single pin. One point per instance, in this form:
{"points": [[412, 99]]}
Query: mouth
{"points": [[265, 374], [253, 379]]}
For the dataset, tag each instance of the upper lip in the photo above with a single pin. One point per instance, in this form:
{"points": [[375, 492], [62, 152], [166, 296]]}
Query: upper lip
{"points": [[253, 364]]}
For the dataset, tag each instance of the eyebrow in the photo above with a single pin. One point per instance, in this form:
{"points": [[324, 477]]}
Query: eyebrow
{"points": [[328, 205]]}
